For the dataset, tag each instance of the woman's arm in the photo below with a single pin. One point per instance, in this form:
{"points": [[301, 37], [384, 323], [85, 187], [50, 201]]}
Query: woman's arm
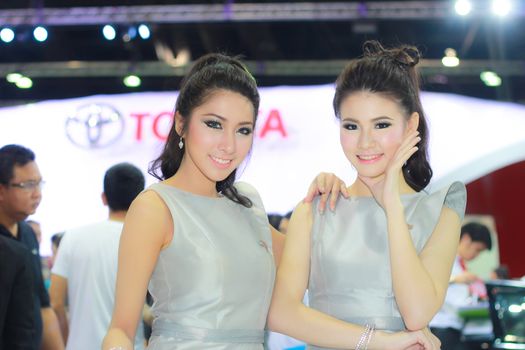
{"points": [[420, 282], [147, 228], [277, 245], [290, 316]]}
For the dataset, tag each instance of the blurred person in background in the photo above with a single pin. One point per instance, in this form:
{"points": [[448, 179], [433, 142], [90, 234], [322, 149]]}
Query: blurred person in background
{"points": [[500, 273], [56, 238], [20, 195], [275, 220], [465, 288], [17, 306], [85, 268], [283, 224], [37, 229]]}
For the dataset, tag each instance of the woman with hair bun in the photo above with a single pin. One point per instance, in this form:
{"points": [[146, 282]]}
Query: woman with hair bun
{"points": [[203, 243], [383, 258]]}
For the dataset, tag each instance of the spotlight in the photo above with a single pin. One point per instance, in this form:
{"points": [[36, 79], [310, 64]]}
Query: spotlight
{"points": [[144, 31], [490, 78], [24, 83], [109, 32], [501, 7], [40, 34], [450, 59], [7, 35], [132, 81], [463, 7], [13, 77]]}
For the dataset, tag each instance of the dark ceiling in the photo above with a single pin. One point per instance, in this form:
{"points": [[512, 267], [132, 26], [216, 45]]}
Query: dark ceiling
{"points": [[292, 47]]}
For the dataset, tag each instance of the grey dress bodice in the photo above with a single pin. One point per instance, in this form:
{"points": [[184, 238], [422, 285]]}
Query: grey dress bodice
{"points": [[350, 275], [213, 283]]}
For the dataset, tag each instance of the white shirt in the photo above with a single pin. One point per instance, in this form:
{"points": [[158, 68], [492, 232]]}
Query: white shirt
{"points": [[87, 258]]}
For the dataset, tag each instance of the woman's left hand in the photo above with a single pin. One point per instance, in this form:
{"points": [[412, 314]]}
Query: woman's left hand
{"points": [[386, 189], [325, 185]]}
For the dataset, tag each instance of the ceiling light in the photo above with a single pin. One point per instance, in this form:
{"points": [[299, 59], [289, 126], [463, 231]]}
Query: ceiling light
{"points": [[24, 83], [463, 7], [13, 77], [7, 35], [132, 81], [450, 59], [109, 32], [490, 78], [501, 7], [144, 31], [40, 34]]}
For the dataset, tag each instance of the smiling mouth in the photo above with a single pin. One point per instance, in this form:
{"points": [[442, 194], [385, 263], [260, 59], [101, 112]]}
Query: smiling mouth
{"points": [[222, 163], [369, 158]]}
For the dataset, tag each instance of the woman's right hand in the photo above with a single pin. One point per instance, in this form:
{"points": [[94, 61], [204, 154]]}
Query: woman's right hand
{"points": [[417, 340]]}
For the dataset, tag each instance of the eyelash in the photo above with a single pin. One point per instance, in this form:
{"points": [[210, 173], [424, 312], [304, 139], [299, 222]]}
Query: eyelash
{"points": [[380, 125], [350, 126], [245, 131], [213, 124]]}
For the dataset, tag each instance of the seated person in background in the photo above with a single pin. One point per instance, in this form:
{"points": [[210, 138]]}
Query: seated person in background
{"points": [[500, 273], [447, 324]]}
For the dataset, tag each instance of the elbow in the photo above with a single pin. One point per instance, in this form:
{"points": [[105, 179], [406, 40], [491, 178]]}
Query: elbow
{"points": [[417, 315], [57, 304], [415, 320], [415, 325], [280, 315]]}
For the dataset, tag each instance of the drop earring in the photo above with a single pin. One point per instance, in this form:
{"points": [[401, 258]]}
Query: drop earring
{"points": [[181, 144]]}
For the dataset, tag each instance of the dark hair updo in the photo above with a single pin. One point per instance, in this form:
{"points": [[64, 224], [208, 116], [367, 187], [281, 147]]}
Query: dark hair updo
{"points": [[208, 74], [392, 73]]}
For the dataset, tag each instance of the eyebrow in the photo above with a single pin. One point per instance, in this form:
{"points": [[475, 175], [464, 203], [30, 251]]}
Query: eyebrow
{"points": [[373, 120], [225, 119]]}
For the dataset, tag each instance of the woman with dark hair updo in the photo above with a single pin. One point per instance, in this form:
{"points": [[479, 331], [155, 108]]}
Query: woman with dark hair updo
{"points": [[202, 242], [383, 258]]}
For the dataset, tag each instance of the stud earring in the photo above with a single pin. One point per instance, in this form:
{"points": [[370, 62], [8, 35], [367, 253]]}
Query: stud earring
{"points": [[181, 144]]}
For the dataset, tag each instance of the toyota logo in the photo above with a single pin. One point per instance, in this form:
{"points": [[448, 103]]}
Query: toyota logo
{"points": [[95, 125]]}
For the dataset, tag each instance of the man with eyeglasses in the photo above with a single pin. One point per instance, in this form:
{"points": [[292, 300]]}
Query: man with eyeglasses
{"points": [[20, 195]]}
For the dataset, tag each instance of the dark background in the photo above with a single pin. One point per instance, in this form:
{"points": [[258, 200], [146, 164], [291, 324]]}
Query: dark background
{"points": [[277, 50]]}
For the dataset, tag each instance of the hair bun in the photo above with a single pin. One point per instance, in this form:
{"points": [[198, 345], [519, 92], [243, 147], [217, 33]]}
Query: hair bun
{"points": [[373, 48], [405, 55], [411, 56]]}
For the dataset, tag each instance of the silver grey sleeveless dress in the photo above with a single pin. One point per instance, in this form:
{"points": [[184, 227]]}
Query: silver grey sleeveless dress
{"points": [[350, 276], [213, 284]]}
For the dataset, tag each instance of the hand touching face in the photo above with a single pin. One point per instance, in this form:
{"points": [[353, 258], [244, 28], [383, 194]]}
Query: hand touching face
{"points": [[373, 127]]}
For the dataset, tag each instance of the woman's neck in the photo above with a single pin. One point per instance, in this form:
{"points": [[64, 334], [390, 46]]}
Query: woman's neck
{"points": [[360, 189], [190, 179]]}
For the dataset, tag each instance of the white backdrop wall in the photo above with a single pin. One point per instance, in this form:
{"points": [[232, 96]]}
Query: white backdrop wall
{"points": [[297, 136]]}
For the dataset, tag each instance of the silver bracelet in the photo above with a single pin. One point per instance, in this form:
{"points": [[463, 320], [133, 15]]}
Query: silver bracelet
{"points": [[363, 337], [372, 329]]}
